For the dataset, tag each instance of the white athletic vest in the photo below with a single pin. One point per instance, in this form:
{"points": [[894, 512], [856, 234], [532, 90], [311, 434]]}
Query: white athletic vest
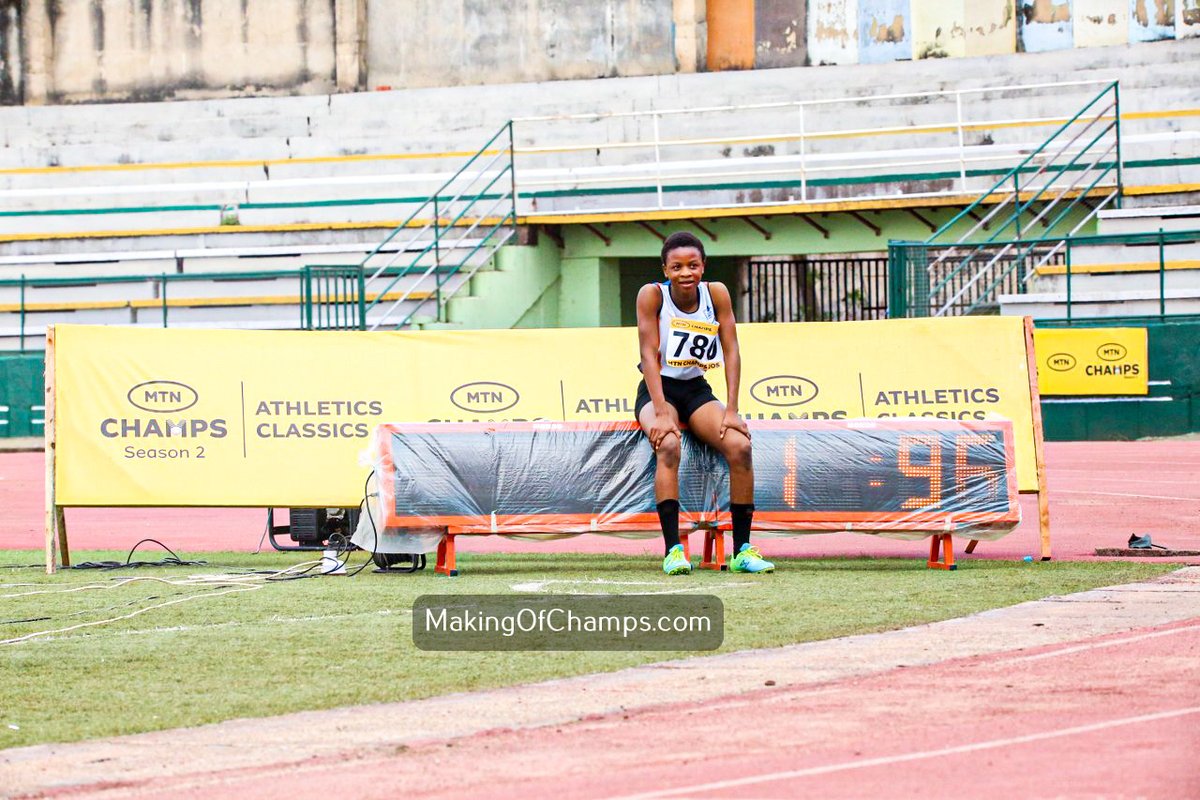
{"points": [[688, 344]]}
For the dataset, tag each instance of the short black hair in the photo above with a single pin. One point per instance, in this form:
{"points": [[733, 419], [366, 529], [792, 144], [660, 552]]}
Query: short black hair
{"points": [[682, 239]]}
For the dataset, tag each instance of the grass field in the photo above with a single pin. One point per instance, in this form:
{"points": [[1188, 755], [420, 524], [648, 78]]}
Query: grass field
{"points": [[239, 649]]}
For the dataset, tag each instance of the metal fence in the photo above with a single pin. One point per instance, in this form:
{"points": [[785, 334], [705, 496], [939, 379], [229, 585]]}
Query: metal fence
{"points": [[963, 272], [817, 288]]}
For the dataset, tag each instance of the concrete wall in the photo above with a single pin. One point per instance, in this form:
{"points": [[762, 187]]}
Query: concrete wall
{"points": [[75, 51], [884, 31], [462, 42]]}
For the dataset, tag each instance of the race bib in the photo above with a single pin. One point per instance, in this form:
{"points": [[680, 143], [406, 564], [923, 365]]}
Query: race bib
{"points": [[692, 343]]}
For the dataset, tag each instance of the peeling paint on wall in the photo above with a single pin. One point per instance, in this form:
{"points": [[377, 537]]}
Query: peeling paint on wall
{"points": [[991, 27], [11, 70], [164, 49], [419, 43], [833, 31], [1151, 20], [1046, 25], [730, 34], [1187, 18], [1099, 23], [884, 31], [779, 33], [938, 29]]}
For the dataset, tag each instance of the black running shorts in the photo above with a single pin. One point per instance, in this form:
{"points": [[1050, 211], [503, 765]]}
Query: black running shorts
{"points": [[686, 396]]}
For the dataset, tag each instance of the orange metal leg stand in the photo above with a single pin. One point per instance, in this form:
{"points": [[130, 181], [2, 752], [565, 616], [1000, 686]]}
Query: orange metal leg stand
{"points": [[445, 556], [714, 550], [947, 548]]}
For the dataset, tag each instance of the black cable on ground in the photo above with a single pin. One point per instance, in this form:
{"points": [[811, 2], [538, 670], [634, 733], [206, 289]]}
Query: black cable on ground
{"points": [[172, 561]]}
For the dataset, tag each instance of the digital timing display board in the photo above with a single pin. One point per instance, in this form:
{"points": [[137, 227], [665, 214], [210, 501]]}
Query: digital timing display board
{"points": [[906, 474]]}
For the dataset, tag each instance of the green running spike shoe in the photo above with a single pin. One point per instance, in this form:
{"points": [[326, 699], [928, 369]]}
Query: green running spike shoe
{"points": [[749, 559], [676, 563]]}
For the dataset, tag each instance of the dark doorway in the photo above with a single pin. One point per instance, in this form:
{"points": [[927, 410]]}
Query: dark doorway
{"points": [[816, 288]]}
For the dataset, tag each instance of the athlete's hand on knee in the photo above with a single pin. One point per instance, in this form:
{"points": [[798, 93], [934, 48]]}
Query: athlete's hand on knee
{"points": [[663, 427], [732, 420]]}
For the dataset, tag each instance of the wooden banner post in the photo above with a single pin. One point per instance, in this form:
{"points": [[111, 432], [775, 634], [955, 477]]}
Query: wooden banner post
{"points": [[56, 522]]}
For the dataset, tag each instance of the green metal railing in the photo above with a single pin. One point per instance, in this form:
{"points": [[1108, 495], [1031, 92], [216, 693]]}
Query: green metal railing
{"points": [[1025, 275], [1062, 184], [330, 297], [455, 230], [333, 297]]}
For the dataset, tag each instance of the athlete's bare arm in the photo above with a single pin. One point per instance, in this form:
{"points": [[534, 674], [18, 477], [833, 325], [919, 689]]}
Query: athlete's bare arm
{"points": [[649, 301], [727, 330]]}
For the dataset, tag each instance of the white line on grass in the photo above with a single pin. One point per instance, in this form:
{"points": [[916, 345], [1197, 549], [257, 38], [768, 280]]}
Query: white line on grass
{"points": [[232, 623], [864, 763], [540, 586], [198, 596]]}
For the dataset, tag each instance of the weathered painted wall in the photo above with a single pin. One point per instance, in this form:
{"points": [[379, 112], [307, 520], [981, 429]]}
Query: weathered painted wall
{"points": [[155, 49], [832, 27], [1187, 18], [730, 34], [1046, 25], [11, 70], [691, 34], [938, 29], [779, 33], [991, 27], [1099, 23], [69, 51], [1151, 20], [462, 42], [884, 31]]}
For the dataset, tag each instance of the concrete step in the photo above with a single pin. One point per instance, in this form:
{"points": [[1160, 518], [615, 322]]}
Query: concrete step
{"points": [[1096, 257], [229, 237], [1117, 281], [1053, 305], [1149, 220]]}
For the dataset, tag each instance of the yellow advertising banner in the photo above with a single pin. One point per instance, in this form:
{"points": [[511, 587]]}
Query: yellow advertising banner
{"points": [[1074, 361], [176, 417]]}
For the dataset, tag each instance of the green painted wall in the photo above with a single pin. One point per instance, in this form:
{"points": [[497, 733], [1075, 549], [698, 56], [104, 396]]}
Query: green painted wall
{"points": [[1174, 353], [591, 279], [513, 293], [589, 293], [22, 386]]}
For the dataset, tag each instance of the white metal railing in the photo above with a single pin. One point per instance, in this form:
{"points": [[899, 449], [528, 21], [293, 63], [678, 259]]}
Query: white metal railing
{"points": [[912, 144], [668, 169]]}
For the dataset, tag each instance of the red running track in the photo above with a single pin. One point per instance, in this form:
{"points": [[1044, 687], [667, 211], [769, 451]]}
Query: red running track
{"points": [[1112, 717], [1100, 493]]}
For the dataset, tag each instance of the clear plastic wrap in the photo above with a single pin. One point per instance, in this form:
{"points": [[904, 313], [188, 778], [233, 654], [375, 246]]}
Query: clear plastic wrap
{"points": [[906, 478]]}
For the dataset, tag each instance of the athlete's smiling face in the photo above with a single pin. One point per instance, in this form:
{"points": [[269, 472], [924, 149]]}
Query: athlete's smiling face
{"points": [[684, 269]]}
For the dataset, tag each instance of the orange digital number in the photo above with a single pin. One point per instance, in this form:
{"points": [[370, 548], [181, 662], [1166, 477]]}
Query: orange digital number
{"points": [[967, 474], [789, 474], [932, 470]]}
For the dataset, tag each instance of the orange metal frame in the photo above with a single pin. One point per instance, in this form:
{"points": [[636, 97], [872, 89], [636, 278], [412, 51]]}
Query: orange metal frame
{"points": [[714, 552]]}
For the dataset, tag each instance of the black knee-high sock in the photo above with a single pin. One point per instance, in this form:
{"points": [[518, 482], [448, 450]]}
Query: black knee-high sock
{"points": [[743, 514], [668, 516]]}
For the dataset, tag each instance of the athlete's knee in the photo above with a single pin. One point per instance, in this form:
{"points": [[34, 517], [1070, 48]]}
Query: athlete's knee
{"points": [[738, 452], [668, 450]]}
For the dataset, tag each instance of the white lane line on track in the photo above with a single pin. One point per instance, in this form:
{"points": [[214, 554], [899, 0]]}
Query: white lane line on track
{"points": [[1080, 648], [768, 777], [1124, 494]]}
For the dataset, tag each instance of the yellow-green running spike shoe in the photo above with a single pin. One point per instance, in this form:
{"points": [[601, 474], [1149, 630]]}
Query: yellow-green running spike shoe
{"points": [[749, 559], [676, 563]]}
